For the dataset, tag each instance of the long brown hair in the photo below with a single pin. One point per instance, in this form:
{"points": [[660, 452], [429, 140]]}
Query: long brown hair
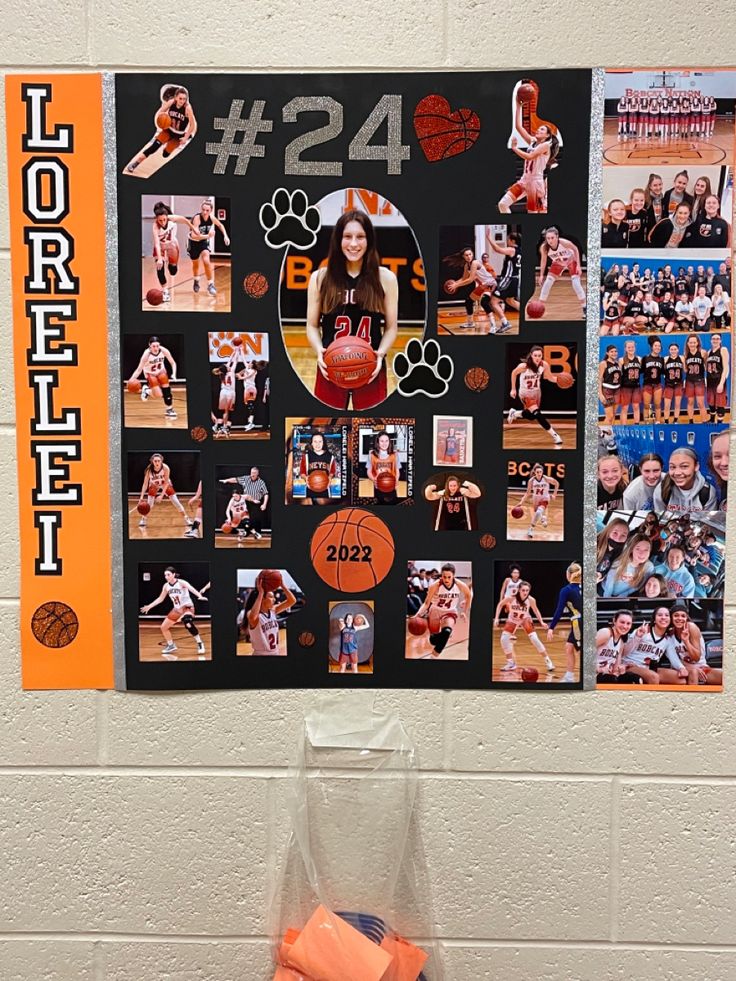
{"points": [[369, 294], [625, 558]]}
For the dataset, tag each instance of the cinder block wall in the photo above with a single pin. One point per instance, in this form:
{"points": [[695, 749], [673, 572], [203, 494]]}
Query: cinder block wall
{"points": [[569, 838]]}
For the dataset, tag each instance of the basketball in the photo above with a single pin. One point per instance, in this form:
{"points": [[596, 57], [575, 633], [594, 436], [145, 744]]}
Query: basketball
{"points": [[535, 309], [529, 674], [143, 507], [476, 379], [526, 93], [155, 297], [417, 626], [352, 550], [250, 393], [565, 380], [385, 482], [318, 481], [54, 624], [237, 341], [198, 434], [434, 620], [226, 528], [487, 542], [306, 638], [163, 120], [255, 285], [271, 580], [517, 512], [449, 286], [350, 362], [441, 132], [134, 387]]}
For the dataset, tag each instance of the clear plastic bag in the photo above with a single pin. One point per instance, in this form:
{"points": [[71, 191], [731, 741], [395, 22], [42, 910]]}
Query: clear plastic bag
{"points": [[353, 883]]}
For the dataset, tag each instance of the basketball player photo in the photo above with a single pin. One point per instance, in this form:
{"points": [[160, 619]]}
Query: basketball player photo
{"points": [[452, 443], [561, 278], [344, 312], [666, 293], [382, 455], [454, 498], [480, 280], [174, 127], [661, 117], [438, 627], [660, 644], [266, 599], [535, 501], [351, 637], [317, 461], [240, 385], [537, 143], [540, 401], [154, 379], [683, 208], [242, 506], [174, 618], [163, 496], [185, 253], [537, 623]]}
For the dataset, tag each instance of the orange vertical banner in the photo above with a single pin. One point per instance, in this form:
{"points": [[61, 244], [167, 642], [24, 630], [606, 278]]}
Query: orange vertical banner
{"points": [[57, 211]]}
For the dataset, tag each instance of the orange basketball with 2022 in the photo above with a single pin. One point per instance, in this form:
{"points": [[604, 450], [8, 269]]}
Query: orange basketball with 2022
{"points": [[352, 550]]}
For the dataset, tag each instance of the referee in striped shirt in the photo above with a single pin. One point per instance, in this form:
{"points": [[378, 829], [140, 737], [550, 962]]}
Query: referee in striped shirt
{"points": [[256, 497]]}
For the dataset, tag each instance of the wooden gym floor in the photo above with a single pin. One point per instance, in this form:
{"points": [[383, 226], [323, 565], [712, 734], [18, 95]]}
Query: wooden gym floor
{"points": [[561, 304], [527, 435], [233, 540], [163, 521], [674, 152], [150, 414], [527, 656], [151, 640], [419, 648], [517, 528], [183, 297], [450, 320]]}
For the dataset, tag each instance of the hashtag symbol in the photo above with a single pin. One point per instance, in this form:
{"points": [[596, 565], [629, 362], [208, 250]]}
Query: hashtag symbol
{"points": [[246, 147]]}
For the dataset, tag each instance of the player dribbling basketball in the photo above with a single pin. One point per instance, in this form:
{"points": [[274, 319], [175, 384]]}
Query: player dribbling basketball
{"points": [[520, 608], [179, 592], [353, 295], [528, 376], [542, 489], [563, 256], [181, 129], [152, 366], [157, 486], [484, 292], [165, 245], [445, 596]]}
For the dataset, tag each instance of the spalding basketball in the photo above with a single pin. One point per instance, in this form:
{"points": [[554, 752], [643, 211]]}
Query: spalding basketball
{"points": [[517, 512], [271, 580], [535, 309], [417, 626], [226, 528], [143, 507], [529, 674], [155, 297], [385, 482], [134, 387], [236, 341], [565, 380], [54, 624], [526, 93], [318, 481], [163, 120], [350, 362], [476, 379], [255, 285], [352, 550], [449, 286]]}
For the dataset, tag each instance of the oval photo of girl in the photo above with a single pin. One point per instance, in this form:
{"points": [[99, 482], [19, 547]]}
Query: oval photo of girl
{"points": [[354, 299]]}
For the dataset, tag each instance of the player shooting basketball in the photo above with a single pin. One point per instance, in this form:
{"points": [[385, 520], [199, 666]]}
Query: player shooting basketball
{"points": [[540, 153]]}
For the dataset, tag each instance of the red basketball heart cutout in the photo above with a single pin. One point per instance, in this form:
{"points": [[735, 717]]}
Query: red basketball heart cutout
{"points": [[441, 132]]}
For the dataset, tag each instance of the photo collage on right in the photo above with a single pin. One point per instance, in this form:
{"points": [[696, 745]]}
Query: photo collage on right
{"points": [[664, 377]]}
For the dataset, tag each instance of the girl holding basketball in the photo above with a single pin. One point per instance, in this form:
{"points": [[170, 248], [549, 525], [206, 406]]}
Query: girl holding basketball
{"points": [[563, 256], [538, 488], [157, 486], [349, 641], [451, 447], [261, 613], [179, 592], [383, 469], [528, 376], [152, 366], [442, 603], [175, 125], [318, 466], [520, 610], [570, 601], [165, 244], [352, 296], [198, 246], [538, 157]]}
